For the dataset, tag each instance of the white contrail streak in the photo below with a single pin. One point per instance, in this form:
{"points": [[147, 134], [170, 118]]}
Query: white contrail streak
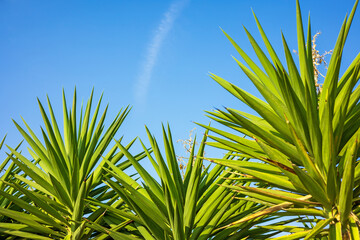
{"points": [[161, 32]]}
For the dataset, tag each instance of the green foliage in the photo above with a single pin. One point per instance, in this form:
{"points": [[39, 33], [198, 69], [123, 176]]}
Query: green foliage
{"points": [[306, 139], [197, 205], [296, 160], [50, 190]]}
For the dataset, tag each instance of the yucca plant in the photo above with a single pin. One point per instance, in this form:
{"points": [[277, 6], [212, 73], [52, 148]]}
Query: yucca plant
{"points": [[64, 170], [304, 143], [6, 176], [8, 169], [190, 206]]}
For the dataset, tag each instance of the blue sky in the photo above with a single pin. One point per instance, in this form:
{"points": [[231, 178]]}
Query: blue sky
{"points": [[152, 55]]}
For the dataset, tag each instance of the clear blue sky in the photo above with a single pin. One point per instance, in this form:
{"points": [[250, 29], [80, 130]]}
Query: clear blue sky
{"points": [[153, 55]]}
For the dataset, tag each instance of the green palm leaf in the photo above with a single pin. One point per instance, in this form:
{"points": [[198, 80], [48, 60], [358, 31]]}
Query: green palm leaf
{"points": [[193, 206], [53, 188], [317, 155]]}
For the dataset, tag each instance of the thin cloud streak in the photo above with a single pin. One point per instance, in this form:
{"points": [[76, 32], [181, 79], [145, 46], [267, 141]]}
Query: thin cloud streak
{"points": [[161, 32]]}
